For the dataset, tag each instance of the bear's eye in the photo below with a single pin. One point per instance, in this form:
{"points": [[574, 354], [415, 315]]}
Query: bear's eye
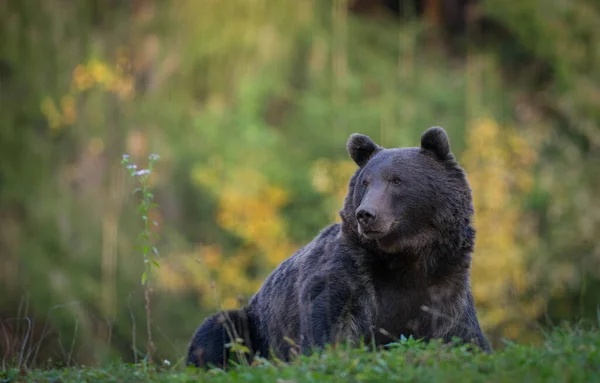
{"points": [[395, 181], [364, 182]]}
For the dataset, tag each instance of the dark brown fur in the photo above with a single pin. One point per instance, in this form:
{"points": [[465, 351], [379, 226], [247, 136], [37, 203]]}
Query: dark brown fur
{"points": [[398, 264]]}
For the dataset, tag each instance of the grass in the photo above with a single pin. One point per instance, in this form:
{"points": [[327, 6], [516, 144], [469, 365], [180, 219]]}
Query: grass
{"points": [[567, 355]]}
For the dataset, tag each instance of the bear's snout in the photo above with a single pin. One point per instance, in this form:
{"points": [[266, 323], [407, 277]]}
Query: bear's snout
{"points": [[373, 223], [366, 216]]}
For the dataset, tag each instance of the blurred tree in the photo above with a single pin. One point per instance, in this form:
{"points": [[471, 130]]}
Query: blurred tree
{"points": [[499, 163], [561, 102]]}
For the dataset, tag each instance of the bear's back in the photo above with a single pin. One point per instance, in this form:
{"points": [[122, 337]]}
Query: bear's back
{"points": [[276, 305]]}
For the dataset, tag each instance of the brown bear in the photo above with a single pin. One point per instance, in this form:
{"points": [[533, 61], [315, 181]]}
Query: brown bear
{"points": [[397, 265]]}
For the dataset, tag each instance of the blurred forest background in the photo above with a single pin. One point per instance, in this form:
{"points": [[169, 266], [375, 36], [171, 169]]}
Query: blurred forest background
{"points": [[249, 103]]}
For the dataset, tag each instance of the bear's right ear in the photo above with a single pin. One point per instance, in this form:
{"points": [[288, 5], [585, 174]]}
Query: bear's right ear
{"points": [[361, 148]]}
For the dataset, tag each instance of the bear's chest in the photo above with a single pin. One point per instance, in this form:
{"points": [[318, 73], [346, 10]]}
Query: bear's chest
{"points": [[399, 309]]}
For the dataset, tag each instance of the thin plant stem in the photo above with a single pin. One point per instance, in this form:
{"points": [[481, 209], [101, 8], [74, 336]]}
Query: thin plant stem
{"points": [[142, 176]]}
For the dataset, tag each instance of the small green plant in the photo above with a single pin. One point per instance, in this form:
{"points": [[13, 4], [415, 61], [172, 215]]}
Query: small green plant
{"points": [[149, 251]]}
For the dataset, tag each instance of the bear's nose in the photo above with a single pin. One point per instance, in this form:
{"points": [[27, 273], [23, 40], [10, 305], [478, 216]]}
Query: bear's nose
{"points": [[365, 216]]}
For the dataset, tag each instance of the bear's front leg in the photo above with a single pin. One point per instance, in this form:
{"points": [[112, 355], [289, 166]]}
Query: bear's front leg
{"points": [[327, 312], [209, 345]]}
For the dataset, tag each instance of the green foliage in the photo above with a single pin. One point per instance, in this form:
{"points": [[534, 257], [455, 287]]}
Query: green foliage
{"points": [[566, 355]]}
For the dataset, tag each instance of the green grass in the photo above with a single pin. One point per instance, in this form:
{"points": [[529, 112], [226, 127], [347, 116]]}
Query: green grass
{"points": [[565, 356]]}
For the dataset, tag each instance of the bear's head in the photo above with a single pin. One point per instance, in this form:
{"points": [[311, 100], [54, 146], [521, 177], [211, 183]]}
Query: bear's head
{"points": [[405, 198]]}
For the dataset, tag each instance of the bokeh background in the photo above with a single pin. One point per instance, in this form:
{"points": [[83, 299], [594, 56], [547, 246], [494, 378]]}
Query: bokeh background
{"points": [[249, 103]]}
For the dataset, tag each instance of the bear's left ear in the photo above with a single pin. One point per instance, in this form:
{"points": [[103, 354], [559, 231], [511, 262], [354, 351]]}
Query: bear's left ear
{"points": [[436, 141], [361, 148]]}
